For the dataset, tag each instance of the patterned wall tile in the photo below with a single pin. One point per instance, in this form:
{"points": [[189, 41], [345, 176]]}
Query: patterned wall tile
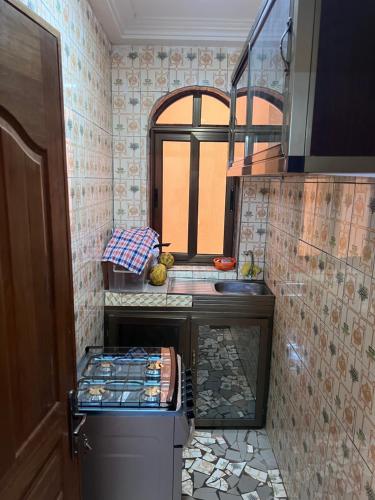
{"points": [[140, 76], [86, 72], [320, 264]]}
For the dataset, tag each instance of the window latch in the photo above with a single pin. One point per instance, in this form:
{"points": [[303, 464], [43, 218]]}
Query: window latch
{"points": [[231, 200]]}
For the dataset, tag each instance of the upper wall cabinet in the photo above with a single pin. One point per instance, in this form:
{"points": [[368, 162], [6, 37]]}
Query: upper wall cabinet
{"points": [[303, 90]]}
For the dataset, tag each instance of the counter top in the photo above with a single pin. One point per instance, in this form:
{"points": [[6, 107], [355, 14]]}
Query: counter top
{"points": [[179, 292]]}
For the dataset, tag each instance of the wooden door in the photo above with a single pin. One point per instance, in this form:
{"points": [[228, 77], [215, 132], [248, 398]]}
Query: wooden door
{"points": [[37, 359]]}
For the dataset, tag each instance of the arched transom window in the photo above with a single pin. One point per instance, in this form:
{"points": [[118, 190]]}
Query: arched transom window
{"points": [[192, 198]]}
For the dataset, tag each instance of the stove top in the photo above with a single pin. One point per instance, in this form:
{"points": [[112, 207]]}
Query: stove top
{"points": [[128, 378]]}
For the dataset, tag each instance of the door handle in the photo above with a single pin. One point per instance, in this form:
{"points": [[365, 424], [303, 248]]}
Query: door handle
{"points": [[283, 57], [81, 423], [76, 434]]}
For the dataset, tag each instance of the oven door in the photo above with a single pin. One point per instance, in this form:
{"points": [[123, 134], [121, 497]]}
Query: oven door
{"points": [[132, 456]]}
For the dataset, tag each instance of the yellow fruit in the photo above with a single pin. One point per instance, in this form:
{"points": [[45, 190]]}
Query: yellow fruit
{"points": [[248, 270], [158, 275], [245, 269], [167, 259]]}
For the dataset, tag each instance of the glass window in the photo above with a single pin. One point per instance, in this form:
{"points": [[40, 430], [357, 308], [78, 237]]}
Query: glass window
{"points": [[190, 182], [212, 191], [179, 112], [266, 113], [241, 109], [214, 112], [176, 175]]}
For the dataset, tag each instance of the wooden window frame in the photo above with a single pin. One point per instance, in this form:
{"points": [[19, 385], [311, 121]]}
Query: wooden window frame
{"points": [[194, 134]]}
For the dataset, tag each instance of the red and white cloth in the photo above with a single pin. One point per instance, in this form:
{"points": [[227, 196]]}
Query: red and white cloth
{"points": [[131, 248]]}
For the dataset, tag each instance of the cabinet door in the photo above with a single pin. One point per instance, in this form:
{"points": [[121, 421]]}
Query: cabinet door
{"points": [[230, 362], [142, 329], [239, 109], [269, 67]]}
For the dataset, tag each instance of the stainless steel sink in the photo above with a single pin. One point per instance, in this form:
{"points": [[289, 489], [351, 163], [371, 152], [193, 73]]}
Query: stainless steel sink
{"points": [[241, 288]]}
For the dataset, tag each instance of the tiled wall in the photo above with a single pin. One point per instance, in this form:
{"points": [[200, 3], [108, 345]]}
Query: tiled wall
{"points": [[88, 126], [140, 76], [253, 217], [320, 255]]}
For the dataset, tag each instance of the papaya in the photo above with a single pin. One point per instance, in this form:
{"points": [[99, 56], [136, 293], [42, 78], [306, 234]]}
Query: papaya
{"points": [[167, 259], [158, 275]]}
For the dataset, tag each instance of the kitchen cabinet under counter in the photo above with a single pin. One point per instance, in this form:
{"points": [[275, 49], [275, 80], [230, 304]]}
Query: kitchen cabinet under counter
{"points": [[225, 339]]}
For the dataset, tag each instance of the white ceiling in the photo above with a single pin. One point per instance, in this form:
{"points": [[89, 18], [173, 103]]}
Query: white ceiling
{"points": [[168, 22]]}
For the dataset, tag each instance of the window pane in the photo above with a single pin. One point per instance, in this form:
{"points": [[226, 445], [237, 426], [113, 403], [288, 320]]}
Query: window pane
{"points": [[241, 109], [239, 151], [178, 113], [176, 181], [265, 113], [214, 112], [211, 201]]}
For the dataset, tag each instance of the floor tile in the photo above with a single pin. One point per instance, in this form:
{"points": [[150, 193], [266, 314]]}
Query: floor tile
{"points": [[226, 475]]}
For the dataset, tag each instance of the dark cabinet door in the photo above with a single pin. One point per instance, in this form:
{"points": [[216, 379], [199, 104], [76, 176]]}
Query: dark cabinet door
{"points": [[143, 329], [37, 365], [230, 360]]}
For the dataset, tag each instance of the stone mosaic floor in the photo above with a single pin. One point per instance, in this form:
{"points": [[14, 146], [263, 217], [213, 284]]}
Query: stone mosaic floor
{"points": [[223, 390], [231, 465]]}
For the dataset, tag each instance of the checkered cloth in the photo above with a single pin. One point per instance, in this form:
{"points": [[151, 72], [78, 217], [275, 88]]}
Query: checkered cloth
{"points": [[131, 248]]}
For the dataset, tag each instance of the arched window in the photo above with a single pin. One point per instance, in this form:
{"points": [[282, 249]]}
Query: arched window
{"points": [[192, 198]]}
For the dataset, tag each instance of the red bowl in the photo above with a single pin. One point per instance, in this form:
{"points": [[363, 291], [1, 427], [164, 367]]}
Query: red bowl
{"points": [[224, 263]]}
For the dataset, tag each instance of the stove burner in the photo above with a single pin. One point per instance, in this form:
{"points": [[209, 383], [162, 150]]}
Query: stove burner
{"points": [[153, 369], [152, 394], [96, 391], [105, 367]]}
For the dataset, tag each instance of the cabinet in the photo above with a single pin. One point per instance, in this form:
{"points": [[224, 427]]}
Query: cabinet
{"points": [[230, 364], [310, 103], [258, 88], [148, 329], [225, 341]]}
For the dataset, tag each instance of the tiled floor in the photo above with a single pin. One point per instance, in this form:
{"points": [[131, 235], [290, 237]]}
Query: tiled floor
{"points": [[231, 465], [223, 390]]}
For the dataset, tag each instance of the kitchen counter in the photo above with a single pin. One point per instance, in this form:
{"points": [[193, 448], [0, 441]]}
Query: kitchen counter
{"points": [[176, 292]]}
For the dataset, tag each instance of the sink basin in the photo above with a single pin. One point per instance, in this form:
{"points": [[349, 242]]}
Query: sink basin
{"points": [[241, 288]]}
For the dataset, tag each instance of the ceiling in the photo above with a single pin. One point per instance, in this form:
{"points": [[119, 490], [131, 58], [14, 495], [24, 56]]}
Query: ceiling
{"points": [[171, 22]]}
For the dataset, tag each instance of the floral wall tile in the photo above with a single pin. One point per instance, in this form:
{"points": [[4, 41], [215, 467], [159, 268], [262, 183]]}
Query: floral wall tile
{"points": [[319, 261], [140, 76], [86, 73]]}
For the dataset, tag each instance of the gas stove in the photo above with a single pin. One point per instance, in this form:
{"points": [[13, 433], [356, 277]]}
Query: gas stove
{"points": [[129, 378], [133, 406]]}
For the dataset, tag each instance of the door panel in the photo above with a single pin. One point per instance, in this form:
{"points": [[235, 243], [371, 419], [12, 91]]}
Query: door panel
{"points": [[48, 484], [230, 364], [140, 329], [37, 365], [29, 269]]}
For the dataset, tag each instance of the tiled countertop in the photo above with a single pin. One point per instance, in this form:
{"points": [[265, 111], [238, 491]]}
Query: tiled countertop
{"points": [[192, 280]]}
